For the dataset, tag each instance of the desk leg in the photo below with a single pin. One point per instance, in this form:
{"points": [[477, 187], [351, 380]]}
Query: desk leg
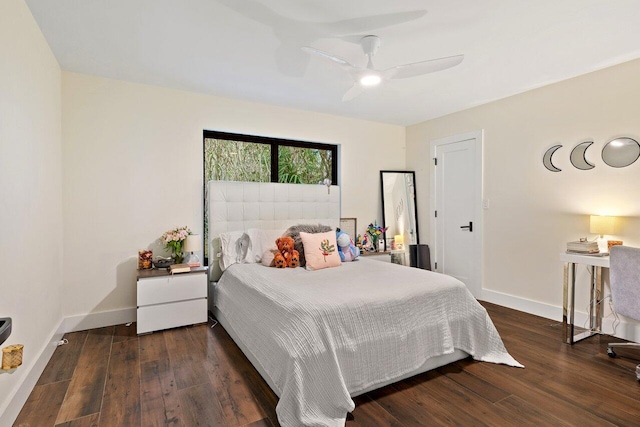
{"points": [[592, 299], [595, 318], [567, 308], [597, 303]]}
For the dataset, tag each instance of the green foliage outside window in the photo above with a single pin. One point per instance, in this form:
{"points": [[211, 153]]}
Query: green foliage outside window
{"points": [[297, 165], [236, 161], [248, 161]]}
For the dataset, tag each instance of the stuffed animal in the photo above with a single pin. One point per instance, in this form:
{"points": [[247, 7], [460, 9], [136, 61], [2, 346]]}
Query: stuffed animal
{"points": [[295, 259], [346, 248], [286, 255], [278, 261]]}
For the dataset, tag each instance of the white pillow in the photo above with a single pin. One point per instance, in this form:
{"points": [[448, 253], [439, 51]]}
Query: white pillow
{"points": [[267, 257], [234, 246], [261, 241]]}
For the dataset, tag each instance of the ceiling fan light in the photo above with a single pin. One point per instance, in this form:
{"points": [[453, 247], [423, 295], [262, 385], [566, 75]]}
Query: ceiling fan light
{"points": [[370, 80]]}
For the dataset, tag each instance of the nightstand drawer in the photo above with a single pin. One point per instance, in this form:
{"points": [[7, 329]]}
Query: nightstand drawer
{"points": [[177, 287], [165, 316]]}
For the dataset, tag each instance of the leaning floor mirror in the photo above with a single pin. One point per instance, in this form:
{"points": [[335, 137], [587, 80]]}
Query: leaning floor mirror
{"points": [[399, 211]]}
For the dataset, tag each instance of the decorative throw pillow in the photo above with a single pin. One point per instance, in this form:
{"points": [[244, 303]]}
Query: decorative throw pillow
{"points": [[321, 250], [294, 232], [261, 241]]}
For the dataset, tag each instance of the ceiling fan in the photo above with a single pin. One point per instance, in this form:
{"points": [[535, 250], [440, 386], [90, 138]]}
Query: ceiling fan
{"points": [[368, 76]]}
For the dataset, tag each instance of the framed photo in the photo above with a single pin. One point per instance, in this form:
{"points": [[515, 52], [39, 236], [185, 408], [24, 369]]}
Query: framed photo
{"points": [[349, 226]]}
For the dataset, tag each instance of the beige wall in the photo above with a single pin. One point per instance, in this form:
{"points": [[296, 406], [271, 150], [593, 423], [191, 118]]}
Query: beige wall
{"points": [[534, 212], [30, 179], [132, 161]]}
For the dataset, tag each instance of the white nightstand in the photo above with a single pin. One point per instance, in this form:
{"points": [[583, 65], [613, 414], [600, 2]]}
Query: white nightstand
{"points": [[168, 301]]}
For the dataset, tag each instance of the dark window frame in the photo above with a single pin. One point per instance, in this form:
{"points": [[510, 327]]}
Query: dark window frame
{"points": [[274, 143]]}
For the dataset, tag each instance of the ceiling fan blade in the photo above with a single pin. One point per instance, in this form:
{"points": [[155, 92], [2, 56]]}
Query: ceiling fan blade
{"points": [[368, 23], [355, 90], [423, 67], [291, 61], [325, 55], [256, 11]]}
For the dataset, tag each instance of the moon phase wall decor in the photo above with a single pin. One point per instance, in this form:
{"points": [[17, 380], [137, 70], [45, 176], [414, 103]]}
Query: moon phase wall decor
{"points": [[546, 159], [578, 157], [621, 152], [617, 153]]}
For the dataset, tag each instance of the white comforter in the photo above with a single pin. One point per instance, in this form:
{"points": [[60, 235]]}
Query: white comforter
{"points": [[321, 335]]}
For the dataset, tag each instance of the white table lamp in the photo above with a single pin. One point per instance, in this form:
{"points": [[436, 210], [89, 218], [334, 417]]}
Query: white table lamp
{"points": [[602, 225], [398, 239], [192, 244]]}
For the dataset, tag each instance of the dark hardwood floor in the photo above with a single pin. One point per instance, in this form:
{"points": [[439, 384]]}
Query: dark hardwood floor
{"points": [[196, 376]]}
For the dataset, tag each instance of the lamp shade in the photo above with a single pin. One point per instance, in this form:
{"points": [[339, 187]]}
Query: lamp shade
{"points": [[399, 239], [192, 243], [601, 225]]}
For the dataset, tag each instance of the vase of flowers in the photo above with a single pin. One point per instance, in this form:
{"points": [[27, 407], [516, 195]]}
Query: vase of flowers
{"points": [[375, 231], [173, 241]]}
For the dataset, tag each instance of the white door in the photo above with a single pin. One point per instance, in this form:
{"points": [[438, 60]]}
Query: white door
{"points": [[456, 194]]}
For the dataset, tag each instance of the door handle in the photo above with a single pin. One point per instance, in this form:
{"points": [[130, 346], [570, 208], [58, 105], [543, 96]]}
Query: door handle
{"points": [[470, 226]]}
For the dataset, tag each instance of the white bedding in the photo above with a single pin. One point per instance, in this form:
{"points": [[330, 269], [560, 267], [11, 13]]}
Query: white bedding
{"points": [[323, 335]]}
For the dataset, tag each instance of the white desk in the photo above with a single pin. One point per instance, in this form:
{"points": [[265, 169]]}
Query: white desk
{"points": [[597, 263]]}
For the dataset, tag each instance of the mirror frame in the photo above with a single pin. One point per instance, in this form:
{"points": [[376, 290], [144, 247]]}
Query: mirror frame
{"points": [[547, 159], [609, 146], [581, 162], [415, 203]]}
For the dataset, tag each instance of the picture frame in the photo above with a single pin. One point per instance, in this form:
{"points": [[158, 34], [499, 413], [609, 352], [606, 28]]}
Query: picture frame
{"points": [[349, 226]]}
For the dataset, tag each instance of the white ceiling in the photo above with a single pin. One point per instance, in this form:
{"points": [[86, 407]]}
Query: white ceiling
{"points": [[250, 49]]}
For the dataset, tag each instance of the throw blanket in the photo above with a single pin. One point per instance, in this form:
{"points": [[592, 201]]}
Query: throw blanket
{"points": [[322, 335]]}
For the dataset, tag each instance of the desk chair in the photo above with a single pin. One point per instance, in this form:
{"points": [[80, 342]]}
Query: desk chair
{"points": [[625, 289]]}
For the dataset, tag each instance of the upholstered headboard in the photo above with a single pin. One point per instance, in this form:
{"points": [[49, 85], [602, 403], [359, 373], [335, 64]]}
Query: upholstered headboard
{"points": [[235, 206]]}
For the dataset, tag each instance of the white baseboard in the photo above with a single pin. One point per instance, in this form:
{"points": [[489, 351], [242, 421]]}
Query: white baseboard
{"points": [[521, 304], [625, 330], [15, 403], [99, 320], [21, 393]]}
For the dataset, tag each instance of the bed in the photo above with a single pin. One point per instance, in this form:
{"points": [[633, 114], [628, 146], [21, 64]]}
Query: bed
{"points": [[319, 338]]}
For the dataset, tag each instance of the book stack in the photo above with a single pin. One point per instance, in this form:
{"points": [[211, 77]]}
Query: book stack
{"points": [[585, 248], [179, 268]]}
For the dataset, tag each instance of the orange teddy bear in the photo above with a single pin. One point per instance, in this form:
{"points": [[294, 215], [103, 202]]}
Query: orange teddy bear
{"points": [[286, 255]]}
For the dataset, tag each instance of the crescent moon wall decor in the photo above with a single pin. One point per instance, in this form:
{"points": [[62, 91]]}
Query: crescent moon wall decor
{"points": [[578, 157], [619, 152], [546, 159]]}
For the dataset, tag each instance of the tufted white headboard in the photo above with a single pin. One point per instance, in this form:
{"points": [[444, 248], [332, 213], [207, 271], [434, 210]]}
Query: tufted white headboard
{"points": [[235, 206]]}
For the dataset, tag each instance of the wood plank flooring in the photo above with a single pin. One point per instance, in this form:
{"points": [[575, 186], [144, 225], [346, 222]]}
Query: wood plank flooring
{"points": [[197, 376]]}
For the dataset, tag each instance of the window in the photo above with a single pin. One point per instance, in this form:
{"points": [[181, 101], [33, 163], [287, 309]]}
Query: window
{"points": [[237, 157]]}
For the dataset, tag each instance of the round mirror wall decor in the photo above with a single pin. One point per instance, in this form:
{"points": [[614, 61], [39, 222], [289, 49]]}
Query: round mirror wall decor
{"points": [[547, 159], [578, 156], [621, 152]]}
